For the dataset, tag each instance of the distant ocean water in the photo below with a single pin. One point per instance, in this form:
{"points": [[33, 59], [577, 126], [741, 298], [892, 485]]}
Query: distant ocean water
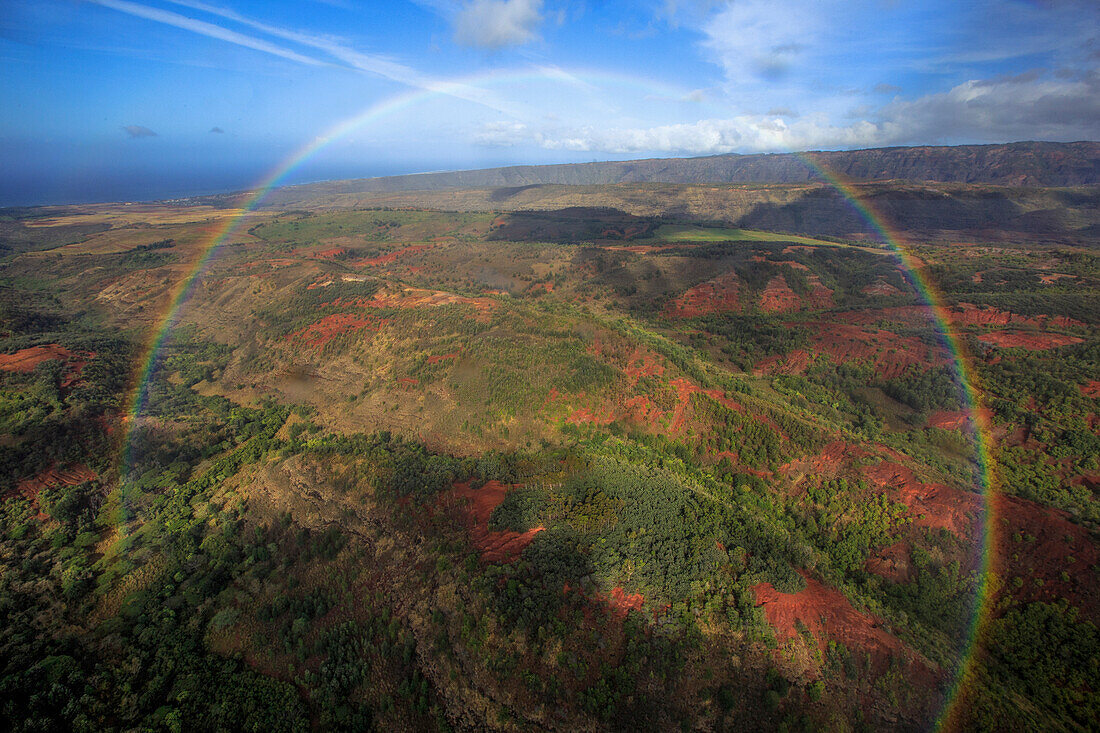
{"points": [[29, 188]]}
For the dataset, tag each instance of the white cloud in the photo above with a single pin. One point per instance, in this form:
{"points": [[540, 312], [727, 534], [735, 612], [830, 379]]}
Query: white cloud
{"points": [[1014, 108], [497, 23]]}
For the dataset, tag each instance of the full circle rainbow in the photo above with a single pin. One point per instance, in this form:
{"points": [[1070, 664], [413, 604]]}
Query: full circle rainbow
{"points": [[967, 377]]}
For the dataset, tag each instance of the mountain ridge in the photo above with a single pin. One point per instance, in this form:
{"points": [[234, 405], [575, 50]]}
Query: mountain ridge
{"points": [[1010, 164]]}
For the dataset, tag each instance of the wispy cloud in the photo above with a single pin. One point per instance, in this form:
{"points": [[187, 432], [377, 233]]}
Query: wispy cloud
{"points": [[217, 130], [206, 29], [369, 63], [135, 131]]}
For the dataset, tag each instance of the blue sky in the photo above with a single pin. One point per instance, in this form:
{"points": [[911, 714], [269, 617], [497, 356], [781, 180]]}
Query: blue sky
{"points": [[108, 99]]}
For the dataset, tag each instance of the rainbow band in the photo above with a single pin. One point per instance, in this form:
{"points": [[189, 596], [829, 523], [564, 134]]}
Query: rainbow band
{"points": [[152, 350], [978, 418]]}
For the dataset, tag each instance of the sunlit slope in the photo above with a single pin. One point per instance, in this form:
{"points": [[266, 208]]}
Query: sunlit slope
{"points": [[541, 468]]}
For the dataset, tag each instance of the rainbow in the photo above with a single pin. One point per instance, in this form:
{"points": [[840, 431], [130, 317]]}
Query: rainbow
{"points": [[150, 353], [979, 420], [154, 347]]}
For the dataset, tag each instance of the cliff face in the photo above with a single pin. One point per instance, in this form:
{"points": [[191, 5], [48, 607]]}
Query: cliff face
{"points": [[1012, 164]]}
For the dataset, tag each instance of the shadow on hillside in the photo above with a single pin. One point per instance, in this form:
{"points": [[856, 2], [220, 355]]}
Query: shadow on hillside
{"points": [[573, 224], [827, 212]]}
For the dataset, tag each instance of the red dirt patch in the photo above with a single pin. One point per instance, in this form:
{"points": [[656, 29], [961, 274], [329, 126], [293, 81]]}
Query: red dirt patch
{"points": [[495, 547], [1031, 341], [718, 295], [641, 409], [584, 415], [796, 362], [820, 297], [416, 298], [391, 257], [968, 314], [436, 358], [622, 603], [932, 505], [829, 615], [329, 327], [778, 297], [914, 315], [890, 354], [954, 419], [1091, 389], [828, 462], [891, 563], [29, 488], [25, 361], [1044, 553], [649, 366], [880, 287]]}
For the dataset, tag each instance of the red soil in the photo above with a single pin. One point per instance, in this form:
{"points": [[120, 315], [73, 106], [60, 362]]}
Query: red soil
{"points": [[932, 505], [587, 416], [1092, 389], [967, 314], [880, 287], [828, 615], [29, 488], [891, 563], [684, 390], [436, 358], [1031, 341], [641, 409], [828, 462], [26, 360], [495, 547], [1043, 553], [796, 362], [649, 366], [408, 381], [622, 603], [778, 297], [914, 315], [891, 354], [954, 419], [793, 248], [1053, 277], [329, 327], [391, 257], [718, 295], [416, 298], [820, 297]]}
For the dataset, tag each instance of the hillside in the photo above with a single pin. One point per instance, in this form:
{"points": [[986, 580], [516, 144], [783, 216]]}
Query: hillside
{"points": [[635, 456], [1012, 164]]}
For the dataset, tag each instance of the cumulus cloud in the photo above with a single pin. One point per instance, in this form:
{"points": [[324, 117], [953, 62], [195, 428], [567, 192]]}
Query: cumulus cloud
{"points": [[497, 23], [135, 131], [990, 110]]}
